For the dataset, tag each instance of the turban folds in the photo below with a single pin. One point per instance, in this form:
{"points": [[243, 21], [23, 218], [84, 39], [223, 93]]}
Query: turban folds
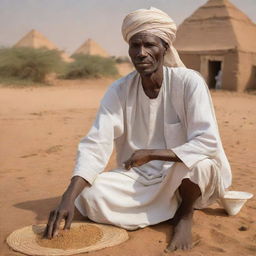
{"points": [[158, 23]]}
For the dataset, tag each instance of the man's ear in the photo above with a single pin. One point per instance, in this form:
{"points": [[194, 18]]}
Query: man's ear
{"points": [[166, 49], [166, 46]]}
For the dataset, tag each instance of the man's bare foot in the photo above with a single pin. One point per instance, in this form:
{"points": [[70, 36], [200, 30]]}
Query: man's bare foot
{"points": [[182, 238]]}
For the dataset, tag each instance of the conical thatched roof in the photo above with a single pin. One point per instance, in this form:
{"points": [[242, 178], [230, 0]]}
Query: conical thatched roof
{"points": [[217, 25], [34, 39], [90, 47]]}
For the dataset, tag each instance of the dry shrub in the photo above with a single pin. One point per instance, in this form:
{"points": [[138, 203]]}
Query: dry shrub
{"points": [[91, 66], [27, 63]]}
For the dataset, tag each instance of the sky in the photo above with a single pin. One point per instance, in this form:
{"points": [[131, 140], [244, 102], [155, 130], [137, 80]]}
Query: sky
{"points": [[68, 23]]}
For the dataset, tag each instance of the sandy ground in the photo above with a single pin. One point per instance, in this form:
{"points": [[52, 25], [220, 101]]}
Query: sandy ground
{"points": [[39, 132]]}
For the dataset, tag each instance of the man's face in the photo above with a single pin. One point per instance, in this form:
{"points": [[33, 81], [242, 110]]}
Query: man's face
{"points": [[147, 52]]}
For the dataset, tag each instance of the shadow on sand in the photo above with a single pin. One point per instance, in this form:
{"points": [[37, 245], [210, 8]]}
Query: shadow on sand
{"points": [[41, 207], [214, 212]]}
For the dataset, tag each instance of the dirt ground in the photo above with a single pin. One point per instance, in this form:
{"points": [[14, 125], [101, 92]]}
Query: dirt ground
{"points": [[39, 132]]}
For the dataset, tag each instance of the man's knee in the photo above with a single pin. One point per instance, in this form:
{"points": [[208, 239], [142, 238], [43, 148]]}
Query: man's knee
{"points": [[203, 167], [189, 189], [204, 164], [204, 170]]}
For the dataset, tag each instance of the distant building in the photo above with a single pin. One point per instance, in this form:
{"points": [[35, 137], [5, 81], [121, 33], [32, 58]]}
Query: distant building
{"points": [[34, 39], [90, 47], [218, 36]]}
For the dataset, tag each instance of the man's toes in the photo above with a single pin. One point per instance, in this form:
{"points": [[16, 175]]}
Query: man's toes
{"points": [[171, 248], [185, 247], [190, 246], [166, 253]]}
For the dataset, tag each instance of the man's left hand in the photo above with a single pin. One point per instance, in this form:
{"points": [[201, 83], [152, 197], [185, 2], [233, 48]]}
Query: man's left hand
{"points": [[138, 158]]}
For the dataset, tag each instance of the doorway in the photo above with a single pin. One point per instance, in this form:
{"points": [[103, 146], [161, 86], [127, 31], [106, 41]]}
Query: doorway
{"points": [[214, 74], [252, 81]]}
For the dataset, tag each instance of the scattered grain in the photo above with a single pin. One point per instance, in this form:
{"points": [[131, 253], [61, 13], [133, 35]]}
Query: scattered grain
{"points": [[77, 237]]}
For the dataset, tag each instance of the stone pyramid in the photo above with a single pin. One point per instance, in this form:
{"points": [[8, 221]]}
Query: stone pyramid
{"points": [[90, 47], [217, 25], [34, 39]]}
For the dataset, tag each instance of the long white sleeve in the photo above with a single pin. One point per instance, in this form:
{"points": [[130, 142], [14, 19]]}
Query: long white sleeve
{"points": [[201, 126], [96, 148]]}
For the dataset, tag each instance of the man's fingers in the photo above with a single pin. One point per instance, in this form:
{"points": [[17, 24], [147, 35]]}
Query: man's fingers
{"points": [[127, 164], [50, 224], [47, 226], [68, 220], [46, 230], [132, 163], [56, 224]]}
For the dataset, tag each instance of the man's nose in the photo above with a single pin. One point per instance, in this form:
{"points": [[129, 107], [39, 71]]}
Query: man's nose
{"points": [[142, 52]]}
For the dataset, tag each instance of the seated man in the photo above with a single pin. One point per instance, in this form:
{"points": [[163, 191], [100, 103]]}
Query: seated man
{"points": [[169, 154]]}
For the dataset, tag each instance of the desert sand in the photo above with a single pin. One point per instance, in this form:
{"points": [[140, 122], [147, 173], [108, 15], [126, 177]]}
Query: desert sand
{"points": [[40, 128]]}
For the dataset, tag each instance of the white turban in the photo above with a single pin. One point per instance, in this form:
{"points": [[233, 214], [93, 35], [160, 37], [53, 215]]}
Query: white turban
{"points": [[158, 23]]}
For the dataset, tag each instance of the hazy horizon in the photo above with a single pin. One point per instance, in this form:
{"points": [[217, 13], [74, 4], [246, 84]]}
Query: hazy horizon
{"points": [[68, 23]]}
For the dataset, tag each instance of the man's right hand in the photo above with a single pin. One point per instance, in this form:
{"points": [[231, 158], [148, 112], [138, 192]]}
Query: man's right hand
{"points": [[66, 208], [65, 211]]}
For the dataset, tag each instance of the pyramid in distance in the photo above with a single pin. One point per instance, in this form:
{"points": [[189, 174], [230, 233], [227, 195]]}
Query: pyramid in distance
{"points": [[90, 47], [34, 39], [217, 25]]}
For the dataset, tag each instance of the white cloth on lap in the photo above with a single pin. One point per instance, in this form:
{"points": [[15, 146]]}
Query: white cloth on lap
{"points": [[119, 200]]}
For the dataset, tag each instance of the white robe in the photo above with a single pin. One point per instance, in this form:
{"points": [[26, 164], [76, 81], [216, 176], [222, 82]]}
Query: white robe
{"points": [[182, 119]]}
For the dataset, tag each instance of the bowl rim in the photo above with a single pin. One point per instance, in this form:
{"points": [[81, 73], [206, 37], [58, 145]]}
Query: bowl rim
{"points": [[237, 195]]}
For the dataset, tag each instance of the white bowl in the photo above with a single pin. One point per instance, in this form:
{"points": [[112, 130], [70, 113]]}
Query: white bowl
{"points": [[233, 201]]}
